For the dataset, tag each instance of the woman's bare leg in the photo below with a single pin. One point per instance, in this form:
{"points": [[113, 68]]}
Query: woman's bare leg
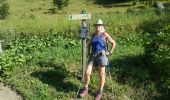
{"points": [[87, 76]]}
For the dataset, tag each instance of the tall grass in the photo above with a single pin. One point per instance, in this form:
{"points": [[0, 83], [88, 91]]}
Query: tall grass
{"points": [[116, 24]]}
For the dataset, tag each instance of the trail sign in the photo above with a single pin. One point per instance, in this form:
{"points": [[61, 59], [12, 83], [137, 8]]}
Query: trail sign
{"points": [[84, 30], [79, 16]]}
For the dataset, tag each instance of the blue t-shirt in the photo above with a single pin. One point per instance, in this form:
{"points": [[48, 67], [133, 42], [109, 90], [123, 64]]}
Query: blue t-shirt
{"points": [[97, 43]]}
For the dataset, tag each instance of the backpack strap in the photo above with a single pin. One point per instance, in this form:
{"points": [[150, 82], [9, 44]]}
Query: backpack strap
{"points": [[105, 41], [103, 36]]}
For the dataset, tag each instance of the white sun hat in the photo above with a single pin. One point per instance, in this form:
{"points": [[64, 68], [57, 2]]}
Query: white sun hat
{"points": [[99, 22]]}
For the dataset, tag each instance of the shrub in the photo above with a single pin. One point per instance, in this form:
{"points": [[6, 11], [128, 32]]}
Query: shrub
{"points": [[4, 8], [156, 42], [61, 3]]}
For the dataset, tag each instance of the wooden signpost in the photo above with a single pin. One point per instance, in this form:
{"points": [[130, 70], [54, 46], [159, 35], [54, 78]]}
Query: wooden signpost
{"points": [[79, 16], [83, 34], [1, 41]]}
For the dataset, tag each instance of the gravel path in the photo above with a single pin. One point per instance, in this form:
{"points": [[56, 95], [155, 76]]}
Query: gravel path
{"points": [[7, 94]]}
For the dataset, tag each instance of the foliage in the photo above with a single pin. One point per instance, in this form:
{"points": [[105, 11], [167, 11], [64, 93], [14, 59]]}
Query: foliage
{"points": [[157, 38], [166, 10], [163, 10], [19, 50], [111, 1], [61, 3], [52, 64], [41, 59], [134, 2], [4, 9], [157, 50]]}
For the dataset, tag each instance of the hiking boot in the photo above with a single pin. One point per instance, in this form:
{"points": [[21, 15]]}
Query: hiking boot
{"points": [[83, 92], [98, 95]]}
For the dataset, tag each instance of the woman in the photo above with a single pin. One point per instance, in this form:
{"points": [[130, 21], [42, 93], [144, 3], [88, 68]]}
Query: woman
{"points": [[98, 58]]}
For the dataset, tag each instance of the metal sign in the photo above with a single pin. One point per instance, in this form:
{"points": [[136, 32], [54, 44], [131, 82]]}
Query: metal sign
{"points": [[79, 16], [83, 32]]}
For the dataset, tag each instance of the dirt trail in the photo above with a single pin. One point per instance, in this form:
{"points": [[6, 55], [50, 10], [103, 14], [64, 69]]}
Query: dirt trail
{"points": [[7, 94]]}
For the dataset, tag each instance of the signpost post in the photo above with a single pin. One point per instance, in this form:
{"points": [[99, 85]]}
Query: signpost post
{"points": [[1, 45], [83, 34]]}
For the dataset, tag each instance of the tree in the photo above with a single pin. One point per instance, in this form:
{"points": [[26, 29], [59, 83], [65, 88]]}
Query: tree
{"points": [[135, 2], [4, 9], [61, 3]]}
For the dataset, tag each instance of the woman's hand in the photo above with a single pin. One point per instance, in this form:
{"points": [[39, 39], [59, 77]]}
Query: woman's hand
{"points": [[108, 53], [113, 44]]}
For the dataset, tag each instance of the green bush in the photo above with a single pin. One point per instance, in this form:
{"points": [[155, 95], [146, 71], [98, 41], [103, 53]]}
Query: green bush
{"points": [[61, 3], [156, 42], [22, 49], [4, 8]]}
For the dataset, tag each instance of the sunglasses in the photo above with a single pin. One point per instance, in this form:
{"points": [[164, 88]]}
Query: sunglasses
{"points": [[98, 25]]}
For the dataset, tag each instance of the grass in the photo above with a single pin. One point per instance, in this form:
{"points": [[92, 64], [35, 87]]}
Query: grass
{"points": [[116, 24], [27, 17], [54, 74], [44, 65], [20, 7]]}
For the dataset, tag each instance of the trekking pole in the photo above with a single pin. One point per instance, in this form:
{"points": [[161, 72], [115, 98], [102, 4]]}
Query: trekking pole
{"points": [[108, 65]]}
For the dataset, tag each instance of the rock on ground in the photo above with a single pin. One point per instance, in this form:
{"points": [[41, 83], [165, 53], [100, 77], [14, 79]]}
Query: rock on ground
{"points": [[7, 94]]}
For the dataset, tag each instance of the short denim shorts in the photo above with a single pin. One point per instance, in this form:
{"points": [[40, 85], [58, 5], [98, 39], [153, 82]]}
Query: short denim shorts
{"points": [[98, 59]]}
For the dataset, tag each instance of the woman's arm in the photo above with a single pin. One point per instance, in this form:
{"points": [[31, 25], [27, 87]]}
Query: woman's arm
{"points": [[113, 43]]}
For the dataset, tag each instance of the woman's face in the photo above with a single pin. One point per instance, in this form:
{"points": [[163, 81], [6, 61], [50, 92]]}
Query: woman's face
{"points": [[98, 28]]}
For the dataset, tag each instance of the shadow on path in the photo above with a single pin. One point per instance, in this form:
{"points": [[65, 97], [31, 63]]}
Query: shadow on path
{"points": [[56, 76], [130, 70], [113, 3]]}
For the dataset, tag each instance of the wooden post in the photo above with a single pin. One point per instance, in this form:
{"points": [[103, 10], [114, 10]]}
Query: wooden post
{"points": [[84, 26], [83, 58], [1, 46], [83, 34]]}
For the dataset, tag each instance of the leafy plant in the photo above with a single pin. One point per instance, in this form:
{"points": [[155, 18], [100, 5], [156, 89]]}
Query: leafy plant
{"points": [[156, 39], [156, 42], [4, 9], [61, 3]]}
